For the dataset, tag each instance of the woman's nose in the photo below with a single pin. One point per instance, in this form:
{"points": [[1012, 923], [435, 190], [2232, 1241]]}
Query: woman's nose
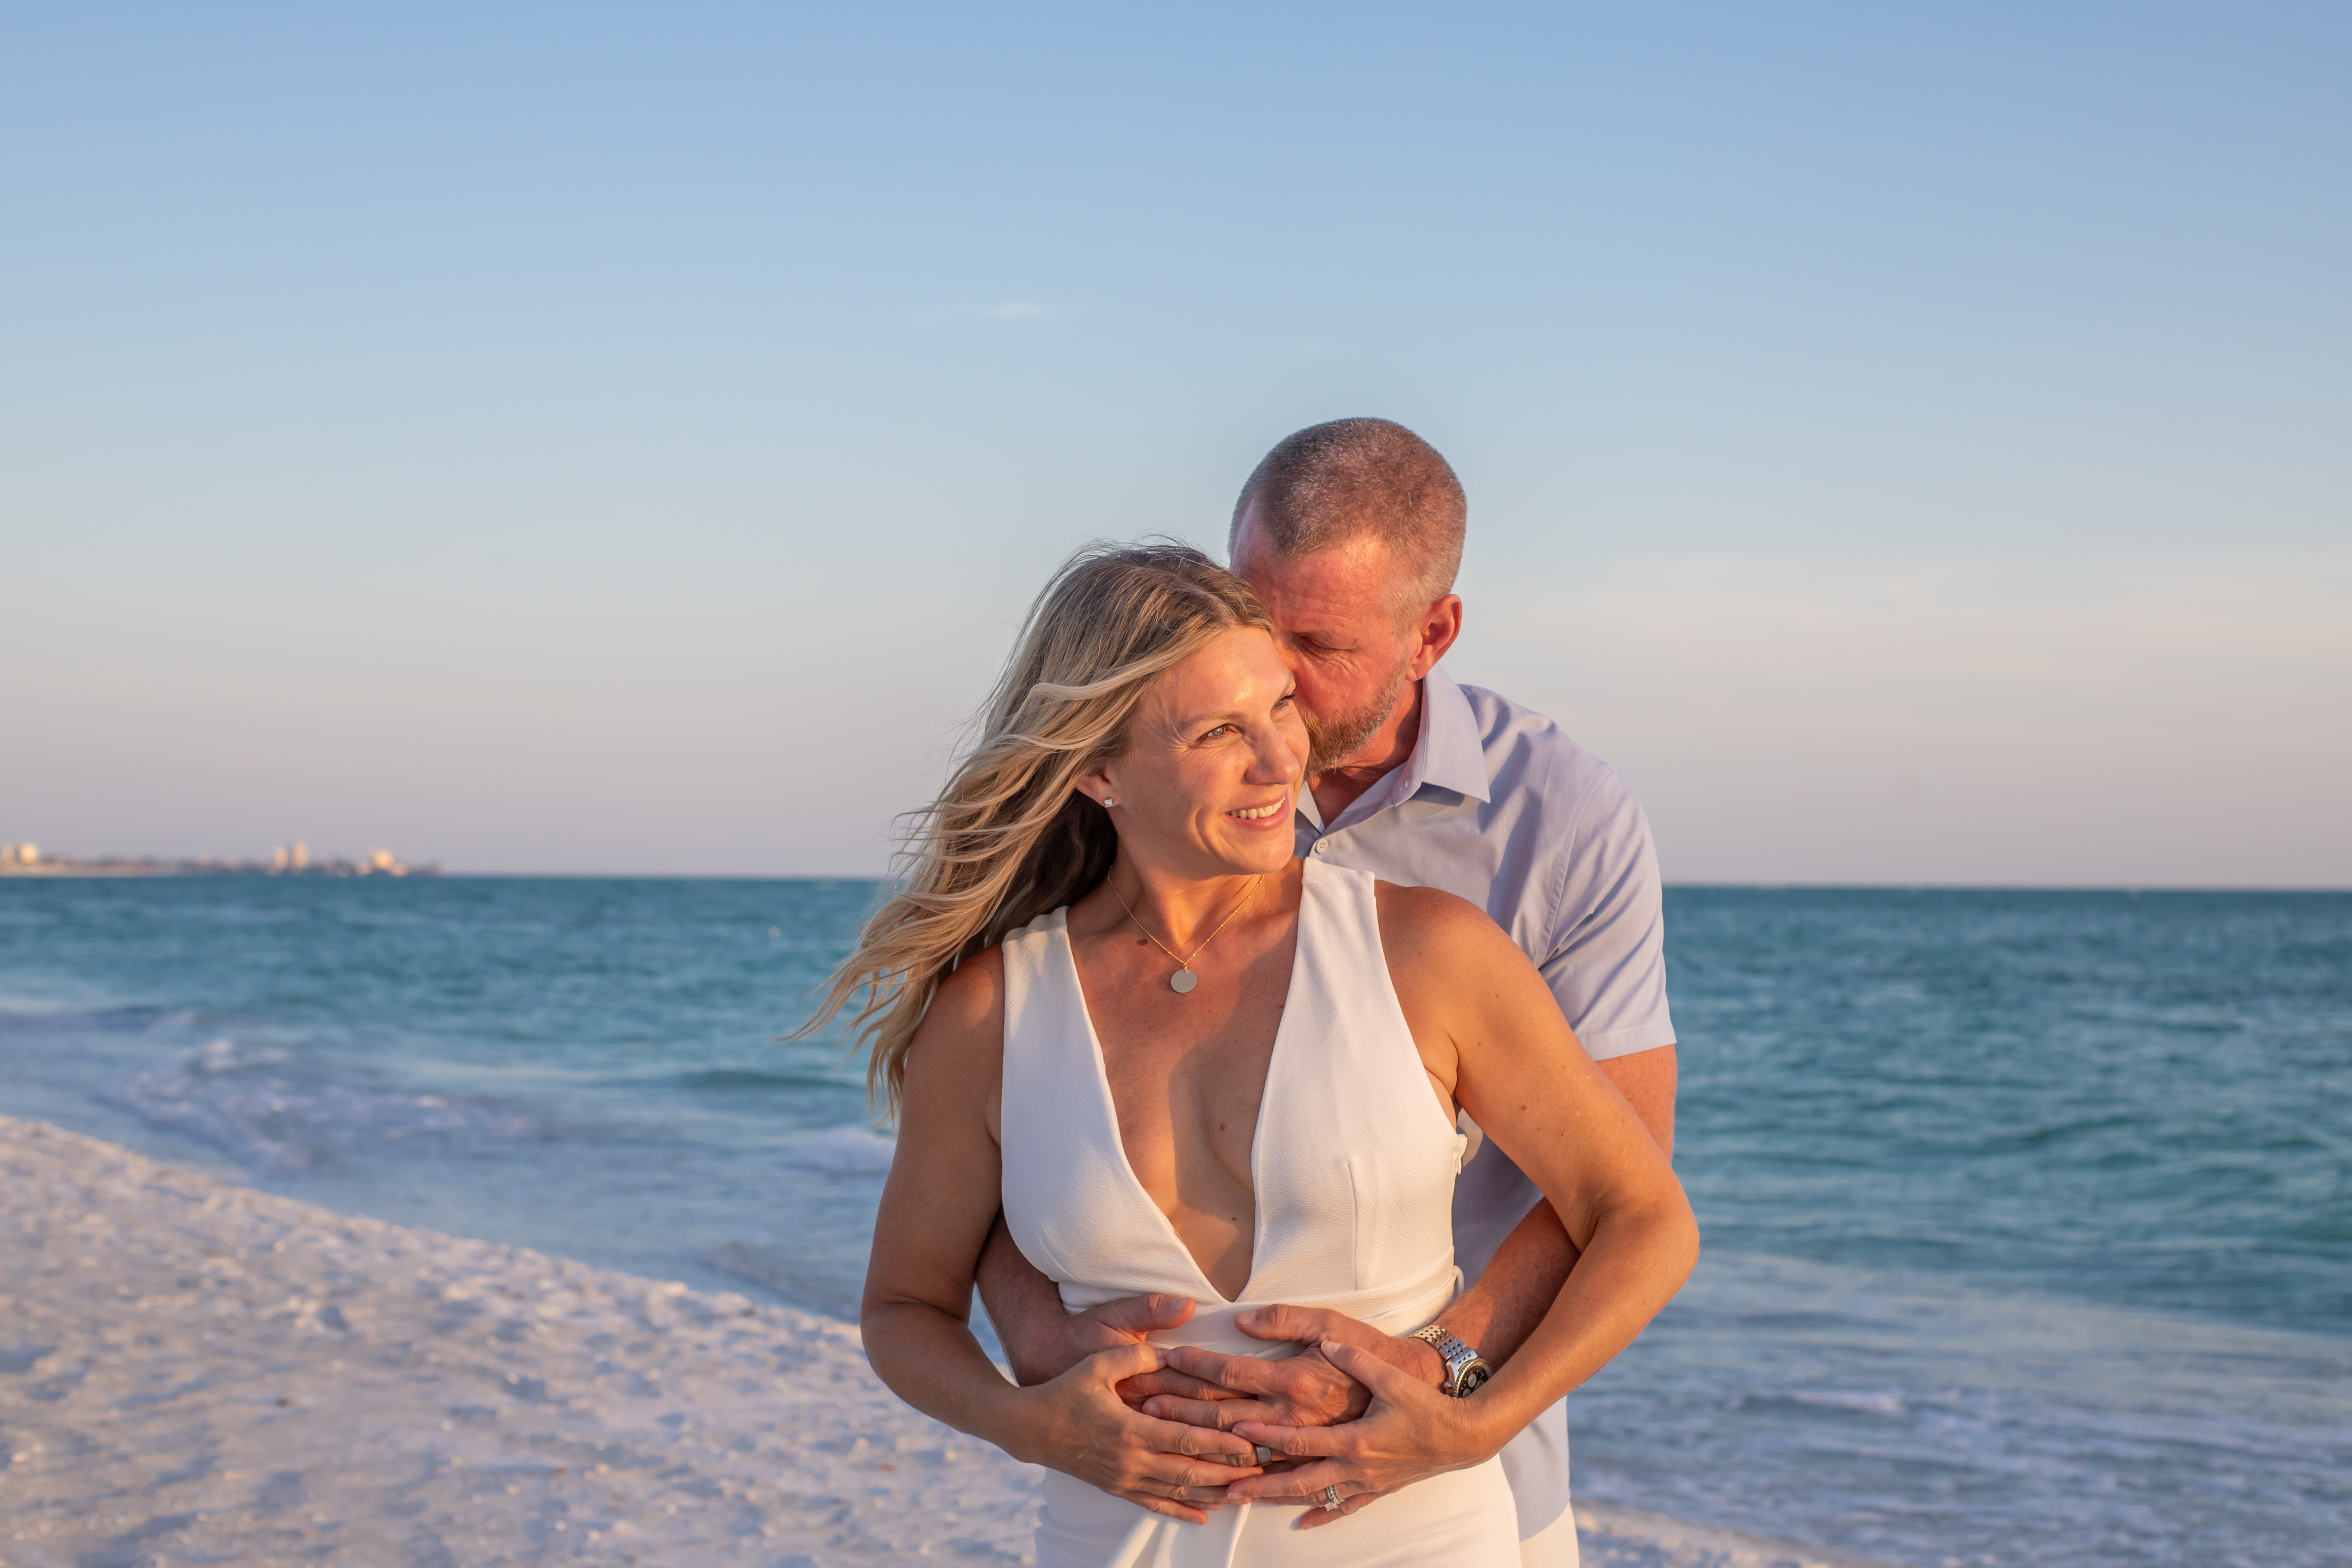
{"points": [[1275, 762]]}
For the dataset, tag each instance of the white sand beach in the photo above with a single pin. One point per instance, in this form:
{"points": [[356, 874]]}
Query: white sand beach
{"points": [[194, 1372]]}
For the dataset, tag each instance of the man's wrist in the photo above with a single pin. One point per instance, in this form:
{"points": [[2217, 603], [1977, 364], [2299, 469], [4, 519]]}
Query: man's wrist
{"points": [[1422, 1361]]}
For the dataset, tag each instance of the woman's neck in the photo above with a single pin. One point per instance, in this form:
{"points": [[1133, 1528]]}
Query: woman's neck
{"points": [[1184, 912]]}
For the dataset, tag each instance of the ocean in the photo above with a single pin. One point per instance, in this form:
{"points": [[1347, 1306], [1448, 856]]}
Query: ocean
{"points": [[2028, 1214]]}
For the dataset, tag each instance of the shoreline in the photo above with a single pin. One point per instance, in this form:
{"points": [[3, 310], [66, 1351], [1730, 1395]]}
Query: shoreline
{"points": [[191, 1369]]}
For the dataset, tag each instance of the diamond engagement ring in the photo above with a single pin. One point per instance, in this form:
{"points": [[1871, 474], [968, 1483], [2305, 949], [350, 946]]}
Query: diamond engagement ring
{"points": [[1331, 1499]]}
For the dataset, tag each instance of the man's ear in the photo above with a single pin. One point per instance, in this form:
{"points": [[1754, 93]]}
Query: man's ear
{"points": [[1436, 629]]}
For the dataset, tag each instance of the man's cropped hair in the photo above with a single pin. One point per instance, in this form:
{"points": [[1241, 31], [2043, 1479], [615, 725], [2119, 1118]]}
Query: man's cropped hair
{"points": [[1339, 481]]}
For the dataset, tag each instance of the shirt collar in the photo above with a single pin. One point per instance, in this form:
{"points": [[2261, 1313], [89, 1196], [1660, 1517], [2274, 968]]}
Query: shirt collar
{"points": [[1448, 752], [1451, 754]]}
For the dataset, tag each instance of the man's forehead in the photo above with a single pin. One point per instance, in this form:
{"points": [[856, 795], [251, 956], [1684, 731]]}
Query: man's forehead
{"points": [[1350, 580]]}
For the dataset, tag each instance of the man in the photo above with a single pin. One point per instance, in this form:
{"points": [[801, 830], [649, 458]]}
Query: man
{"points": [[1351, 533]]}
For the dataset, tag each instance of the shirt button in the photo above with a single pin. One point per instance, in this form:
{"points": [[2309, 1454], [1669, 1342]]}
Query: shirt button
{"points": [[1321, 844]]}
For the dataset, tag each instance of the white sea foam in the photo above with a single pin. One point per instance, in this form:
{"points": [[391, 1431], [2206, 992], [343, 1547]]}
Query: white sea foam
{"points": [[241, 1099], [2011, 1430], [1885, 1402], [845, 1152]]}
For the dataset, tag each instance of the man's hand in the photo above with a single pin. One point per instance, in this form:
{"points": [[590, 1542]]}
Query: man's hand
{"points": [[1408, 1433], [1041, 1340], [1115, 1325], [1072, 1337], [1079, 1425], [1307, 1390]]}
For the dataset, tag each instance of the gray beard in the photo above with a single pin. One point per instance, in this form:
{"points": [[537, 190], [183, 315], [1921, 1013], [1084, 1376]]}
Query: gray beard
{"points": [[1333, 740]]}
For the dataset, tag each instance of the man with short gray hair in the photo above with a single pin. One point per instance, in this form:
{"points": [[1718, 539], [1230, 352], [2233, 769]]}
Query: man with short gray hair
{"points": [[1351, 533]]}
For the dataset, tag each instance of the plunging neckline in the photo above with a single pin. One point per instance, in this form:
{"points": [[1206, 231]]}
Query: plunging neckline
{"points": [[1257, 1131]]}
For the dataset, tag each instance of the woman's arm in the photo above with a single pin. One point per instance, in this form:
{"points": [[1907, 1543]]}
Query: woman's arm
{"points": [[1493, 1040], [937, 1206], [1521, 1075]]}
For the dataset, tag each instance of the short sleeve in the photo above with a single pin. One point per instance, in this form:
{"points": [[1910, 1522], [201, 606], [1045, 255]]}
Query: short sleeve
{"points": [[1607, 961]]}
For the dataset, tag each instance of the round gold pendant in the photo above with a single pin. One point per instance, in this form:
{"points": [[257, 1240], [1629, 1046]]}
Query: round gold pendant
{"points": [[1183, 980]]}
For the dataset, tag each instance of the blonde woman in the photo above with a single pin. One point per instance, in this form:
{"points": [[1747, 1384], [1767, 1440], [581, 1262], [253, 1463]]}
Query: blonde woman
{"points": [[1111, 1001]]}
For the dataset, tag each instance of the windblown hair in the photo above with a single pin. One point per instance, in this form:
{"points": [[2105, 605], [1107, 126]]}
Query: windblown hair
{"points": [[1333, 482], [1009, 839]]}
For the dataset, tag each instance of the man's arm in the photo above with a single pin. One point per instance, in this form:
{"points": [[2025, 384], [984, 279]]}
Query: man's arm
{"points": [[1042, 1339], [1496, 1315], [1647, 1079]]}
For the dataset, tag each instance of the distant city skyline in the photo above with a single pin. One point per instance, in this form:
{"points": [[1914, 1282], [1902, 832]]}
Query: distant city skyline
{"points": [[295, 859], [1907, 443]]}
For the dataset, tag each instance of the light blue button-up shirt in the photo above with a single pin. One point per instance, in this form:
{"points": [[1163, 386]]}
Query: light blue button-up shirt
{"points": [[1498, 807]]}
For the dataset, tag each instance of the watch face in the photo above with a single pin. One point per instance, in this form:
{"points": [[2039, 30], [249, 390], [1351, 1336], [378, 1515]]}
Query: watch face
{"points": [[1473, 1378]]}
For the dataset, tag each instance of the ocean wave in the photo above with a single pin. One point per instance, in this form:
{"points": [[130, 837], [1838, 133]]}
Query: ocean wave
{"points": [[235, 1097], [1612, 1537], [845, 1152], [63, 1013], [751, 1080], [796, 1278], [1885, 1402], [1899, 1416]]}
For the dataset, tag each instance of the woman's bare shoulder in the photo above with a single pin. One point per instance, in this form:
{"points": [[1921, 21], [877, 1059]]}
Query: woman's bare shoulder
{"points": [[963, 1028], [1443, 924], [1445, 949], [976, 984]]}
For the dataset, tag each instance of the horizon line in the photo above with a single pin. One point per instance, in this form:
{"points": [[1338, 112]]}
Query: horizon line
{"points": [[1773, 884]]}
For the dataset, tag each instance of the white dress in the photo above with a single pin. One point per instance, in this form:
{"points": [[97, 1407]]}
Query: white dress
{"points": [[1353, 1163]]}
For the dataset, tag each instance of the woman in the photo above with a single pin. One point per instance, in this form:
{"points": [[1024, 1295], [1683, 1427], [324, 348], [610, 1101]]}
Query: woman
{"points": [[1110, 1001]]}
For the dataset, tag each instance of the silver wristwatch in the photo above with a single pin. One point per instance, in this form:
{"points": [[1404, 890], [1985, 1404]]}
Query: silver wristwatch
{"points": [[1464, 1369]]}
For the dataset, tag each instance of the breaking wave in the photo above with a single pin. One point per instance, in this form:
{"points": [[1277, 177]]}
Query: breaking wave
{"points": [[245, 1101]]}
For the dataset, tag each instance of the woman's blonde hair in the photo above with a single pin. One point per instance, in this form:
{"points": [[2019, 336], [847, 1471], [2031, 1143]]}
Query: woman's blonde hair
{"points": [[1009, 839]]}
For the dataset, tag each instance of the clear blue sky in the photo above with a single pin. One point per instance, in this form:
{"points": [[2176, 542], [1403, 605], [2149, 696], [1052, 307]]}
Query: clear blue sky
{"points": [[1911, 442]]}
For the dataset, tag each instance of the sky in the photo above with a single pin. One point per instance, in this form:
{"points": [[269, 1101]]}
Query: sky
{"points": [[1908, 442]]}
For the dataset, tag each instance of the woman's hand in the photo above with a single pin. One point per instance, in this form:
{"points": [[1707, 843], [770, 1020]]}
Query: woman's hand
{"points": [[1410, 1432], [1079, 1425], [1305, 1390]]}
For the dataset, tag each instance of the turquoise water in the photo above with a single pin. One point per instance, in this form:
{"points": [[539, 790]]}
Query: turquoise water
{"points": [[2029, 1216]]}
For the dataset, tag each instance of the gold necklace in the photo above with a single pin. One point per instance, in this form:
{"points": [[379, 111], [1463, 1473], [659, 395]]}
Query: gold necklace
{"points": [[1183, 980]]}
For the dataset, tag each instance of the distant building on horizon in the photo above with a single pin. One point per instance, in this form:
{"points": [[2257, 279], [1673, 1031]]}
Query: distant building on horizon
{"points": [[286, 860]]}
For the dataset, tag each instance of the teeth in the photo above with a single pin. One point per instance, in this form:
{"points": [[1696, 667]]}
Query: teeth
{"points": [[1255, 814]]}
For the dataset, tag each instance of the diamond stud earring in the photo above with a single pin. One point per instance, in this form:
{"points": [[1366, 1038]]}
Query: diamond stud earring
{"points": [[1109, 802]]}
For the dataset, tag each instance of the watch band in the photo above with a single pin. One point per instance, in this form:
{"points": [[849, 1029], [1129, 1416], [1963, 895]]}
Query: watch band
{"points": [[1465, 1370]]}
